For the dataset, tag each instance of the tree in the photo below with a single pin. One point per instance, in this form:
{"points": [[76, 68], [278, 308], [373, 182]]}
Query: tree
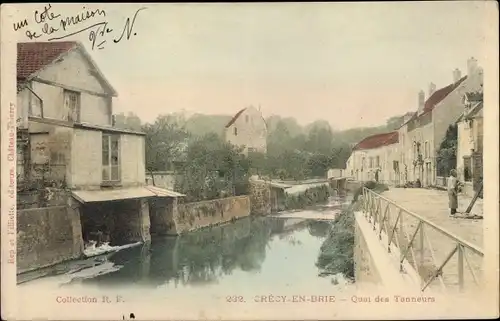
{"points": [[320, 139], [130, 121], [165, 141], [199, 124], [214, 169], [447, 153]]}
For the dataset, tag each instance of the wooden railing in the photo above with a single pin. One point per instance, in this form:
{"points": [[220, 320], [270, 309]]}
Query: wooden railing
{"points": [[429, 249]]}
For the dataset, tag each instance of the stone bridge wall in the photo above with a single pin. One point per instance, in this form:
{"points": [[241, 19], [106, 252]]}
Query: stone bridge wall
{"points": [[365, 270], [46, 236], [192, 216], [260, 198]]}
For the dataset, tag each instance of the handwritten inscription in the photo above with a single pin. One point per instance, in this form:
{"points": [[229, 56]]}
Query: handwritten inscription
{"points": [[55, 26]]}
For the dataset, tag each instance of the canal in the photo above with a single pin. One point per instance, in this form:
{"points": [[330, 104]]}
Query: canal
{"points": [[252, 260]]}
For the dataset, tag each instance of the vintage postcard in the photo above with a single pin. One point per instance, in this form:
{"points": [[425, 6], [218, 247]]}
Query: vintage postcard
{"points": [[249, 161]]}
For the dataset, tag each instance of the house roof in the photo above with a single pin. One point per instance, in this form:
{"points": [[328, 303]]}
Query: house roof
{"points": [[441, 94], [235, 117], [475, 111], [474, 96], [378, 140], [436, 98], [33, 57]]}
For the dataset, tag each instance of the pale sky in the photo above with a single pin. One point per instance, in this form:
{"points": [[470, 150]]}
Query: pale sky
{"points": [[352, 64]]}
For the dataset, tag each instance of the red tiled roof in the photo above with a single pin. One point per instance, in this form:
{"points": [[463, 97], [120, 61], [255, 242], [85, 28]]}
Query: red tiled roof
{"points": [[378, 140], [34, 56], [441, 94], [436, 98], [235, 117]]}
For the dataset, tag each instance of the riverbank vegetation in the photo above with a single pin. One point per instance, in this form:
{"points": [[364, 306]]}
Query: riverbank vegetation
{"points": [[337, 251], [311, 196]]}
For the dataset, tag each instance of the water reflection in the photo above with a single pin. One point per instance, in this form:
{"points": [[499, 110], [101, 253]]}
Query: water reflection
{"points": [[206, 256]]}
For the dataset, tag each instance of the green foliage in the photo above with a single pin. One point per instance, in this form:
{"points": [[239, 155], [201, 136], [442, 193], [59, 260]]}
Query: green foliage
{"points": [[165, 141], [337, 251], [200, 125], [447, 154], [130, 121], [214, 169], [374, 186], [293, 152], [311, 196]]}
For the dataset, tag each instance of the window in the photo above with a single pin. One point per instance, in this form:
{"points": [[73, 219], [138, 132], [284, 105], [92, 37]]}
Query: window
{"points": [[378, 161], [467, 169], [72, 105], [110, 158], [235, 131]]}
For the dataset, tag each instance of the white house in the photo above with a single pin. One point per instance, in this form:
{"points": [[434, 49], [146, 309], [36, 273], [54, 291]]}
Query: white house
{"points": [[64, 107], [422, 134], [375, 158], [248, 129], [470, 142]]}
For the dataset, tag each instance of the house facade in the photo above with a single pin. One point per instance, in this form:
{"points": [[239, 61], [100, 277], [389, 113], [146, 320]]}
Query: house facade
{"points": [[65, 115], [375, 158], [422, 134], [65, 104], [470, 142], [248, 129]]}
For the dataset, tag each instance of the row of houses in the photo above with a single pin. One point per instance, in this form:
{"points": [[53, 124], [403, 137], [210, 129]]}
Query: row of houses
{"points": [[411, 152]]}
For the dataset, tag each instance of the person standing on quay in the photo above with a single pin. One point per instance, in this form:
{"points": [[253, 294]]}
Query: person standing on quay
{"points": [[452, 185]]}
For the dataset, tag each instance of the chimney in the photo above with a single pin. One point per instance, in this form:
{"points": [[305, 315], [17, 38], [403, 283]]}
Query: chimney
{"points": [[471, 66], [432, 88], [457, 74], [421, 101], [407, 117], [480, 76]]}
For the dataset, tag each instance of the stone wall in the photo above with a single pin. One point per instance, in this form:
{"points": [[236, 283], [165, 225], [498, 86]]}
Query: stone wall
{"points": [[42, 197], [166, 179], [161, 213], [260, 198], [46, 236], [364, 269], [192, 216]]}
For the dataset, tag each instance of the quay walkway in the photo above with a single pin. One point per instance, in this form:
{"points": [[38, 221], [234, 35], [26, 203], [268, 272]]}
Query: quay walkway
{"points": [[445, 252]]}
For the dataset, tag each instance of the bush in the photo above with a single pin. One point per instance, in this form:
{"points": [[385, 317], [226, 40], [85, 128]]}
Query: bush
{"points": [[310, 197], [374, 186], [337, 251]]}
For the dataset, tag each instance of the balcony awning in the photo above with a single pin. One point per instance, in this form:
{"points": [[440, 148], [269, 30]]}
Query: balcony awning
{"points": [[122, 194]]}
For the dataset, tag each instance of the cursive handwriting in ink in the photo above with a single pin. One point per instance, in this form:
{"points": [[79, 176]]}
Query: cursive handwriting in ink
{"points": [[20, 24], [101, 31], [32, 35], [45, 14], [46, 29], [69, 21], [128, 27], [77, 32]]}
